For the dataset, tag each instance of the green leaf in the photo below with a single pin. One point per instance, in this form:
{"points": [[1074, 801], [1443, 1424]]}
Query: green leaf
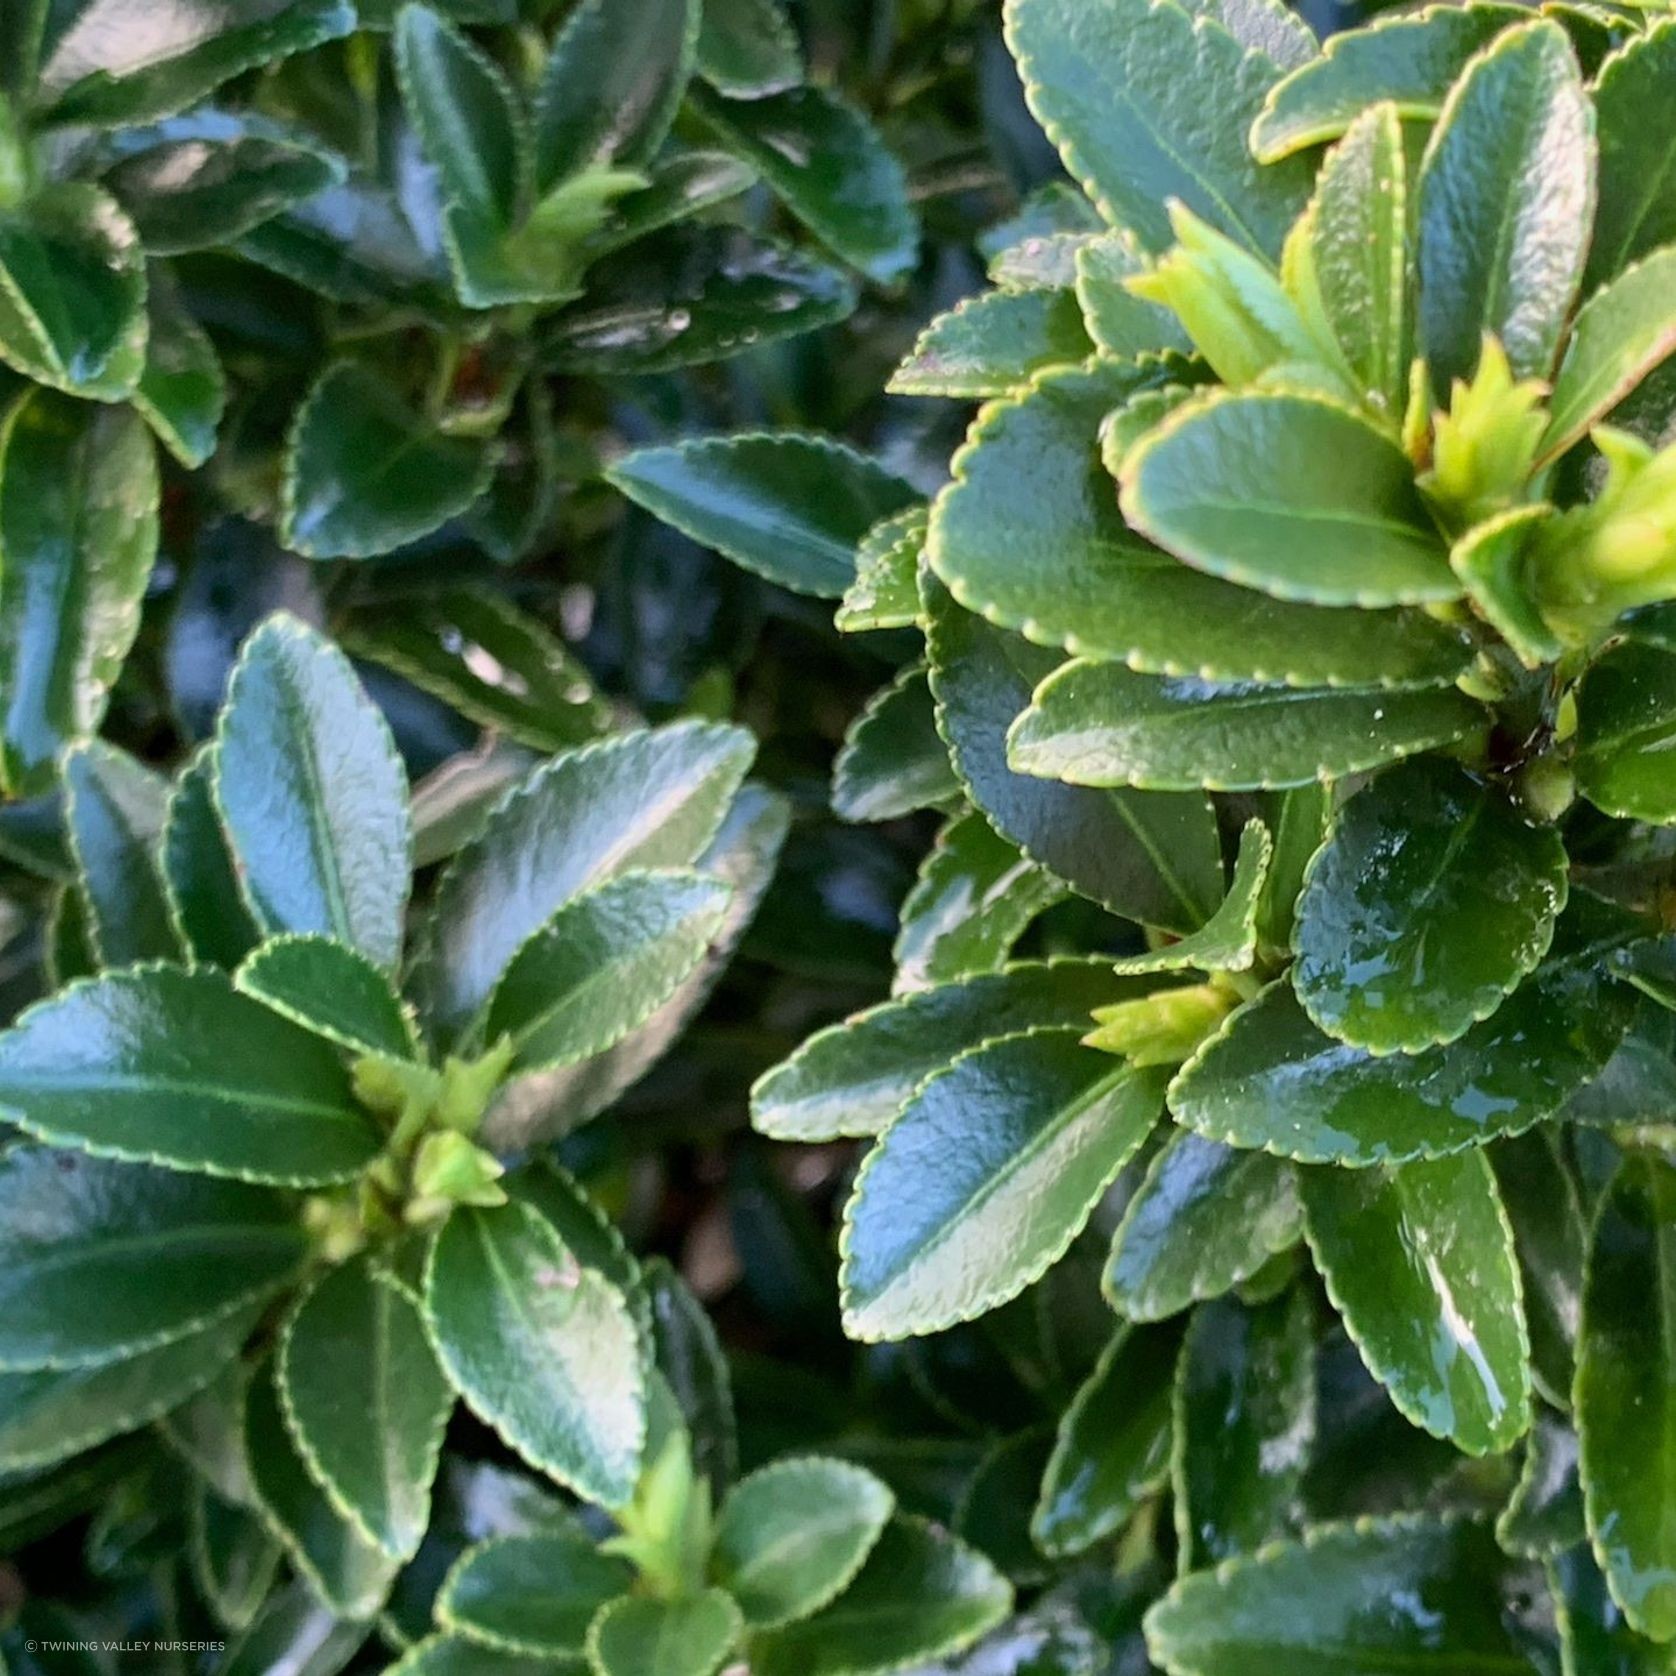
{"points": [[1265, 26], [644, 799], [792, 1536], [496, 665], [1123, 88], [1101, 724], [1245, 1425], [233, 1556], [1593, 1631], [1113, 1444], [78, 526], [1120, 323], [101, 1262], [1324, 1604], [294, 1631], [330, 991], [637, 1636], [1514, 149], [543, 1350], [72, 293], [1289, 494], [365, 1403], [51, 1414], [1625, 329], [181, 393], [1637, 209], [1154, 859], [973, 899], [602, 965], [199, 872], [853, 1078], [893, 761], [990, 344], [1491, 560], [790, 508], [829, 165], [885, 591], [612, 84], [1227, 941], [1043, 1127], [364, 473], [114, 809], [1626, 1393], [171, 1066], [1061, 566], [350, 1574], [1409, 59], [1431, 901], [1205, 1218], [1418, 1260], [1544, 1515], [117, 65], [212, 184], [1626, 718], [454, 1655], [1269, 1078], [748, 49], [532, 1593], [1358, 254], [313, 794], [922, 1594]]}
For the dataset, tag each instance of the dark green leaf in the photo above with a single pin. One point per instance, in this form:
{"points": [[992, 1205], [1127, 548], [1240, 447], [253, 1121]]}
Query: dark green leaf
{"points": [[885, 592], [233, 1557], [1593, 1629], [1227, 941], [1544, 1515], [294, 1632], [534, 1594], [748, 49], [1626, 718], [1637, 209], [637, 1636], [689, 1355], [990, 344], [893, 761], [199, 872], [182, 391], [331, 991]]}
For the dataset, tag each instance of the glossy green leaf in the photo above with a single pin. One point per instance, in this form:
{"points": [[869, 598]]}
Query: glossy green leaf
{"points": [[973, 899], [829, 165], [1626, 1393], [199, 872], [1418, 1260], [643, 799], [1346, 1600], [1594, 1632], [1409, 59], [1245, 1425], [331, 991], [182, 391], [496, 665], [1149, 858], [1544, 1515], [1513, 149], [1289, 494], [612, 84], [114, 810], [687, 1352], [112, 68], [1431, 901], [885, 590], [542, 1349], [1120, 323], [365, 473], [790, 1538], [788, 507], [637, 1636], [1205, 1217], [51, 1414], [1626, 718], [78, 526], [1123, 89], [1043, 1127], [366, 1403], [920, 1595], [748, 49], [313, 794], [893, 761], [603, 964], [992, 343], [1270, 1079], [1101, 724], [350, 1574], [1113, 1443], [1492, 561], [103, 1261], [532, 1593], [1637, 209], [1227, 941], [171, 1066]]}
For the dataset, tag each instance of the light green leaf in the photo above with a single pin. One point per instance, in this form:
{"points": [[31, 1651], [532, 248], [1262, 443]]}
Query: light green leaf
{"points": [[1265, 26], [992, 343], [1101, 724], [792, 1536], [331, 991], [1492, 561], [542, 1349], [1043, 1127], [173, 1067], [893, 761], [1637, 209], [790, 508], [1121, 324], [885, 591], [533, 1593], [638, 1636], [1227, 941], [1626, 719], [1513, 149]]}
